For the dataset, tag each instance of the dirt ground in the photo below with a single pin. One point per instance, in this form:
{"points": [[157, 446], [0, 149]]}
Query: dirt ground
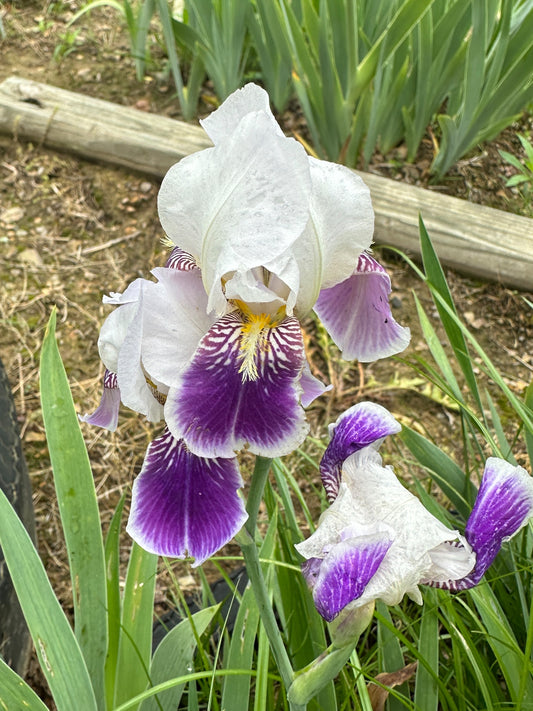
{"points": [[71, 231]]}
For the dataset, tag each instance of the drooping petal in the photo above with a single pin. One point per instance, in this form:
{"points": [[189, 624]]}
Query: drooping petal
{"points": [[241, 387], [120, 347], [504, 505], [116, 325], [138, 390], [346, 571], [181, 260], [362, 425], [238, 205], [357, 315], [311, 387], [342, 215], [183, 505], [106, 414]]}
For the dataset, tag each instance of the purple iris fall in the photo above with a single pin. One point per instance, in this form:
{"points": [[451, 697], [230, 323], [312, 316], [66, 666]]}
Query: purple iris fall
{"points": [[262, 234], [377, 540]]}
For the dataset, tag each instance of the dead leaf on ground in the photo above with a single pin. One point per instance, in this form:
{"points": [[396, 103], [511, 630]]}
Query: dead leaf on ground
{"points": [[378, 694]]}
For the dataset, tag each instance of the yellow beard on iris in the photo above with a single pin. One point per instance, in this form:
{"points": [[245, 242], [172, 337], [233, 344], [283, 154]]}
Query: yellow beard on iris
{"points": [[254, 338]]}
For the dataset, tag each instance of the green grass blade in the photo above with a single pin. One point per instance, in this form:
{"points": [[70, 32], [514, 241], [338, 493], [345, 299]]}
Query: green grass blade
{"points": [[142, 28], [112, 566], [504, 645], [409, 13], [506, 448], [262, 681], [135, 648], [15, 693], [444, 471], [78, 508], [389, 651], [236, 692], [57, 649], [174, 657], [170, 44], [426, 688], [469, 636], [93, 5], [437, 351], [438, 284], [529, 435]]}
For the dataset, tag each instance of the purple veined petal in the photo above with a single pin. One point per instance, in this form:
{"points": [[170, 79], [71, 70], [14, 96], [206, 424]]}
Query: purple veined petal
{"points": [[241, 386], [183, 505], [363, 424], [346, 571], [181, 260], [106, 414], [311, 387], [357, 315], [504, 505]]}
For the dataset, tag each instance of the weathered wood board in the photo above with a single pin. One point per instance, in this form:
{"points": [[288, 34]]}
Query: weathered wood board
{"points": [[472, 239]]}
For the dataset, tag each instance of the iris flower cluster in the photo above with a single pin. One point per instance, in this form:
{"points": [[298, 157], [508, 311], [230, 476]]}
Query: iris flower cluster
{"points": [[262, 234]]}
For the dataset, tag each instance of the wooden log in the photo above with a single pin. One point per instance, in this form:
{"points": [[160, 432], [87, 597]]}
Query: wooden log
{"points": [[95, 129], [473, 239]]}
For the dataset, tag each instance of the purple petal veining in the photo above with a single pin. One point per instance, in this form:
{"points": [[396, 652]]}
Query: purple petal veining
{"points": [[216, 408], [345, 573], [183, 505], [504, 505], [106, 414], [364, 424], [357, 315], [181, 260]]}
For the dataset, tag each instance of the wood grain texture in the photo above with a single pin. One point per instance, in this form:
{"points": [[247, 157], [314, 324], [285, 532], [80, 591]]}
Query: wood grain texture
{"points": [[473, 239]]}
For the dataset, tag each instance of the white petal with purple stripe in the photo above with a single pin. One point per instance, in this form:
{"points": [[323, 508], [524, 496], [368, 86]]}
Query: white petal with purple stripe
{"points": [[242, 386], [371, 498], [106, 414], [183, 505], [345, 572], [503, 506], [362, 425]]}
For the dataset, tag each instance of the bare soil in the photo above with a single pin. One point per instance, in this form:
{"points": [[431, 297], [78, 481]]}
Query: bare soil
{"points": [[71, 231]]}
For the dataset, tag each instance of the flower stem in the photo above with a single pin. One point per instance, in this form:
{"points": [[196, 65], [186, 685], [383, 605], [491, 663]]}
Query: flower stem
{"points": [[246, 540], [257, 487]]}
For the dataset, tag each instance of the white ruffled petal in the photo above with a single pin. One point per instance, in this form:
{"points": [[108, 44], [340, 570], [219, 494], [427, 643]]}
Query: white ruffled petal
{"points": [[370, 500], [221, 123], [342, 215], [175, 320], [239, 205]]}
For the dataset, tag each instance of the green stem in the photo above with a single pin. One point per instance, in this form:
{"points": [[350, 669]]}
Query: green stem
{"points": [[255, 495], [246, 540]]}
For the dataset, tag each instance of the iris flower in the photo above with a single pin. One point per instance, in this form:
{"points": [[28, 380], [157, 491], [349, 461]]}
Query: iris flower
{"points": [[262, 234], [377, 540]]}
